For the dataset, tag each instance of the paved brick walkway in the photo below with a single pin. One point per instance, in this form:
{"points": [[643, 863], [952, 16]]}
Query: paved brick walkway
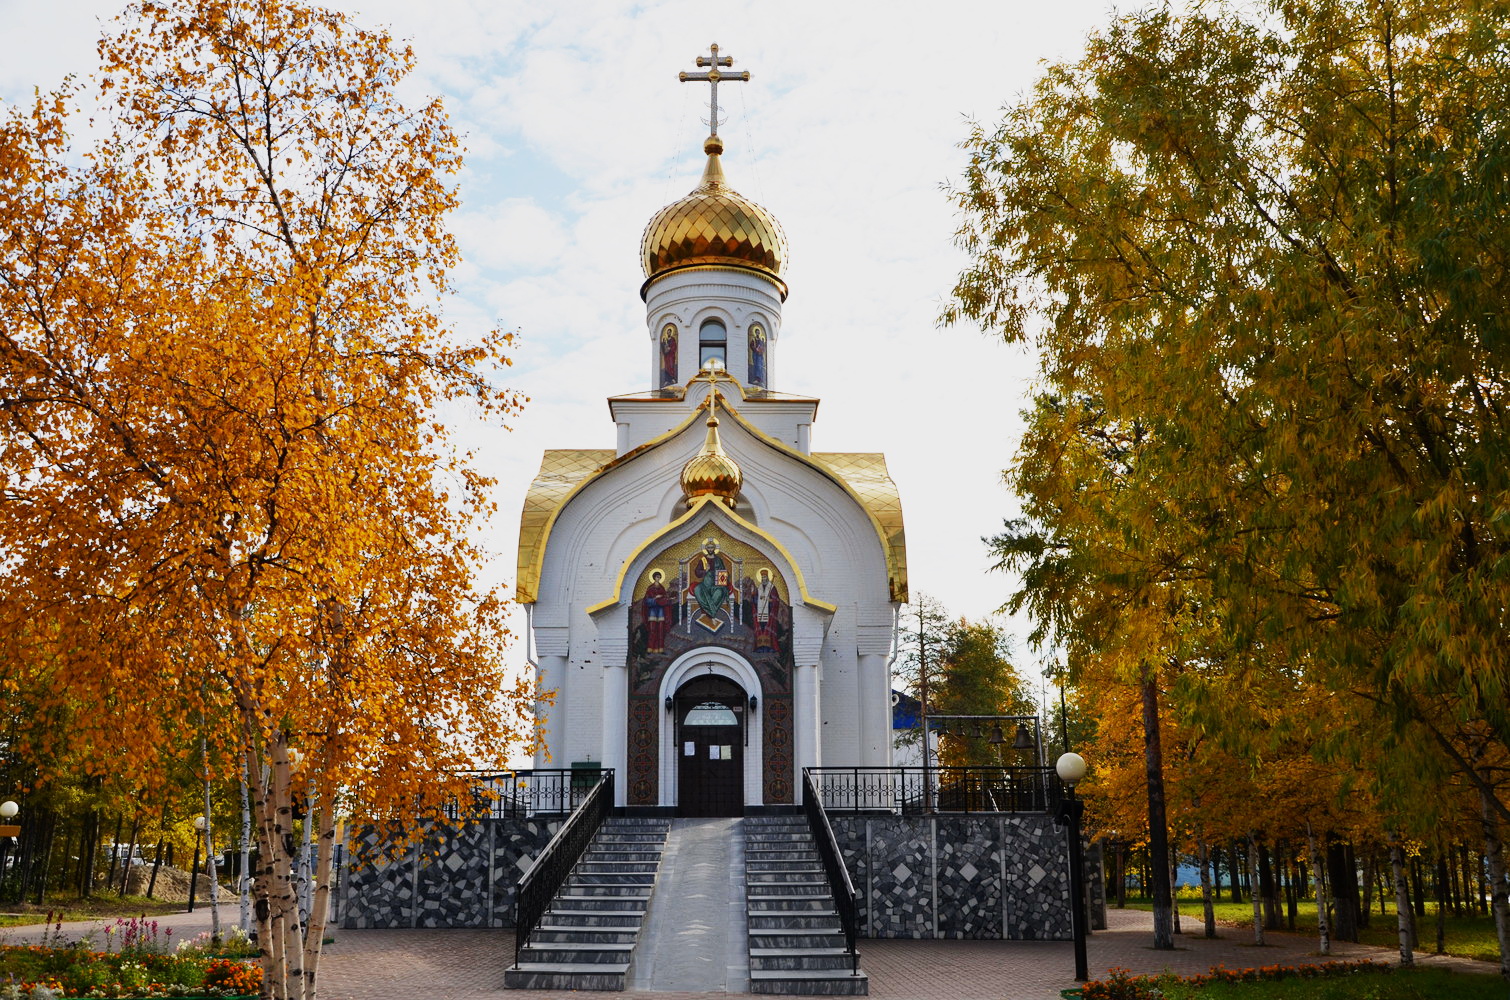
{"points": [[469, 964]]}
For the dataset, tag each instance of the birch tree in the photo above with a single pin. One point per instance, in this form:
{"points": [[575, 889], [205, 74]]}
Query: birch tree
{"points": [[228, 489]]}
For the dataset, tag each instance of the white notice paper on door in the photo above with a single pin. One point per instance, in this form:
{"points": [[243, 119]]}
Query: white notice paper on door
{"points": [[713, 753], [689, 749]]}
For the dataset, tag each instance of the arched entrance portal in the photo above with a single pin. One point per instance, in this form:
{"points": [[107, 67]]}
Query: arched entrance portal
{"points": [[712, 730]]}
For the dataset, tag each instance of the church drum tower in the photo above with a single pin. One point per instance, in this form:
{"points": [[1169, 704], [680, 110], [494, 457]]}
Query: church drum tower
{"points": [[712, 603]]}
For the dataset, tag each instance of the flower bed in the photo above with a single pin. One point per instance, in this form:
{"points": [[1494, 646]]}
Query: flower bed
{"points": [[142, 967], [1121, 985]]}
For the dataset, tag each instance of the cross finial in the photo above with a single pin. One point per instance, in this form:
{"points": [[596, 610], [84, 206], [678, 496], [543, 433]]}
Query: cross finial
{"points": [[713, 61]]}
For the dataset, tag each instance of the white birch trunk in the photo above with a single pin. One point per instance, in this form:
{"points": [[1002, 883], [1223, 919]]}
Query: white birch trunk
{"points": [[209, 846], [258, 777], [1402, 899], [244, 884], [320, 909], [285, 891], [1494, 859], [306, 841], [1323, 930]]}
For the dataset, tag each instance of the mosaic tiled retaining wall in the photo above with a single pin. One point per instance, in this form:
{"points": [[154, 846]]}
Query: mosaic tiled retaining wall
{"points": [[454, 878], [961, 876]]}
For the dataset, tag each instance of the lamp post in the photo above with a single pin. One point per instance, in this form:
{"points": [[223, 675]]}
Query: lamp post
{"points": [[199, 823], [8, 831], [1071, 768]]}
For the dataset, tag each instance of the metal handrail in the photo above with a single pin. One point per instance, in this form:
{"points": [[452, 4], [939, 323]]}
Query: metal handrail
{"points": [[934, 789], [539, 885], [551, 791], [846, 900]]}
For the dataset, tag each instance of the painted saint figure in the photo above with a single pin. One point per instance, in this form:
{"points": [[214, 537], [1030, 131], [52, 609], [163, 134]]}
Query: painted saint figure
{"points": [[710, 587], [757, 355], [668, 355], [767, 612], [657, 623]]}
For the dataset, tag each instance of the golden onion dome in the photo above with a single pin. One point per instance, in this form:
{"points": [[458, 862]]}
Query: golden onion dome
{"points": [[711, 472], [713, 225]]}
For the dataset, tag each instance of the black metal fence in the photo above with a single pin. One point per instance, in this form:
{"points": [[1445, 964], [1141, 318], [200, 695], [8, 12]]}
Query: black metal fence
{"points": [[521, 794], [910, 790], [545, 877], [846, 900]]}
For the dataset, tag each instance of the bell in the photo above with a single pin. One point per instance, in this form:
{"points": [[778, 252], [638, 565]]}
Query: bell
{"points": [[980, 731], [996, 735], [1024, 740]]}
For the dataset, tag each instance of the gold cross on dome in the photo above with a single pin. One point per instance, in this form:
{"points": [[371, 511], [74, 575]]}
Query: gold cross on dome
{"points": [[712, 77]]}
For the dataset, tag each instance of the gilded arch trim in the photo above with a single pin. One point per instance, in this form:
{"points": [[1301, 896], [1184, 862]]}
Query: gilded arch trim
{"points": [[717, 509], [564, 473]]}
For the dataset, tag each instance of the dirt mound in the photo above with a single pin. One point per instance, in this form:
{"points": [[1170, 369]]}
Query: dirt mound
{"points": [[172, 884]]}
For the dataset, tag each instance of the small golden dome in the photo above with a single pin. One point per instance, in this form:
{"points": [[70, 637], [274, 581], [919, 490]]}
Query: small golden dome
{"points": [[711, 472], [713, 225]]}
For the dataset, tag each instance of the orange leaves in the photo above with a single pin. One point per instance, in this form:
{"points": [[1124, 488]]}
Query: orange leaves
{"points": [[220, 364]]}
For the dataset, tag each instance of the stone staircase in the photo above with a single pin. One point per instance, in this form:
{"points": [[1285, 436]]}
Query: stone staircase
{"points": [[796, 941], [586, 940]]}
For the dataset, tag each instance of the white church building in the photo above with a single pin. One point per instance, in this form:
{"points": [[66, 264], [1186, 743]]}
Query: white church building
{"points": [[712, 603]]}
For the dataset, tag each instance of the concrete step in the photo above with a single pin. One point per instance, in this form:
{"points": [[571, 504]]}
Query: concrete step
{"points": [[800, 958], [574, 901], [809, 982], [624, 918], [807, 876], [570, 954], [790, 904], [828, 936], [613, 878], [768, 923], [796, 865], [566, 976], [599, 856], [765, 890], [556, 934], [608, 866], [606, 888]]}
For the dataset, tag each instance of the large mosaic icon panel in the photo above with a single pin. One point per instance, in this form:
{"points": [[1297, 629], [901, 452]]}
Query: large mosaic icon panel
{"points": [[710, 590]]}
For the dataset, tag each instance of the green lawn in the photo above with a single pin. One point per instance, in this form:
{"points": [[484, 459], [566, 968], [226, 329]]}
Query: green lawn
{"points": [[1420, 984], [93, 908], [1470, 937]]}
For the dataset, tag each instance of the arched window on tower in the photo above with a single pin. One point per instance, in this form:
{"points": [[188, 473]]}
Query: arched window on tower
{"points": [[668, 355], [712, 342], [757, 355]]}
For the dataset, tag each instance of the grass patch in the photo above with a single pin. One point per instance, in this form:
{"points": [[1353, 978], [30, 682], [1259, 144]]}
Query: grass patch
{"points": [[1467, 937], [1362, 984], [91, 908]]}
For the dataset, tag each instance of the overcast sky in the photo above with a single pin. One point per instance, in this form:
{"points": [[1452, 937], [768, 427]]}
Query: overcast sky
{"points": [[578, 131]]}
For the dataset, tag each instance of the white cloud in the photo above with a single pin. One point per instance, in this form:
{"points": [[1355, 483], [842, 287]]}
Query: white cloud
{"points": [[579, 131]]}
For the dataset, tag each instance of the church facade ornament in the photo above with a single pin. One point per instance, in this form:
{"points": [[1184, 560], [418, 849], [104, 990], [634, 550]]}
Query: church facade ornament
{"points": [[705, 595]]}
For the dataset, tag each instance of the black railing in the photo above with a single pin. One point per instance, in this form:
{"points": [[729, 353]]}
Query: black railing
{"points": [[521, 794], [946, 789], [539, 885], [845, 899]]}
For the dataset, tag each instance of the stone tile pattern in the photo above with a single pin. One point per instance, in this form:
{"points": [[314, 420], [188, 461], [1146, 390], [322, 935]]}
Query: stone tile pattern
{"points": [[453, 878], [987, 876], [956, 876], [969, 854]]}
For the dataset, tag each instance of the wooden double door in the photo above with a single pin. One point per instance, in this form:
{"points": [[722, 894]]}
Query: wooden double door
{"points": [[711, 727]]}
